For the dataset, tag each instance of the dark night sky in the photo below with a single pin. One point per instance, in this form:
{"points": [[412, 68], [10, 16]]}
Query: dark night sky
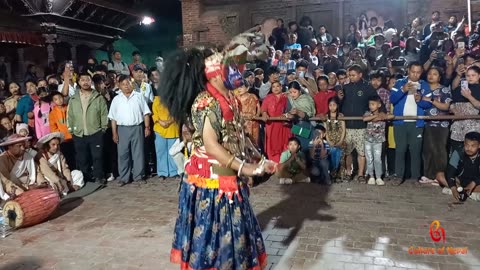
{"points": [[170, 9], [167, 15], [164, 31]]}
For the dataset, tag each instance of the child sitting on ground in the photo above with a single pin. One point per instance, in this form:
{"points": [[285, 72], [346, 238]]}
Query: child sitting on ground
{"points": [[292, 164], [319, 152], [467, 173]]}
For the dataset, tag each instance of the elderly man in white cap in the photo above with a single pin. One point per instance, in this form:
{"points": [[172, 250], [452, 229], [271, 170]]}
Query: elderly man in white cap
{"points": [[18, 171], [53, 165]]}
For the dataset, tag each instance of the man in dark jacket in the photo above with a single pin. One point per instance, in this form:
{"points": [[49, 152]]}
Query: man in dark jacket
{"points": [[410, 97], [354, 102], [281, 35], [432, 42], [435, 18]]}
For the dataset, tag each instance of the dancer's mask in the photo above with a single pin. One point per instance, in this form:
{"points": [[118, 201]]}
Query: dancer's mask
{"points": [[228, 69]]}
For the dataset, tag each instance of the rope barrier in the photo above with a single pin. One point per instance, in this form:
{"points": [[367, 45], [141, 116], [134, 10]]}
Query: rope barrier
{"points": [[360, 118]]}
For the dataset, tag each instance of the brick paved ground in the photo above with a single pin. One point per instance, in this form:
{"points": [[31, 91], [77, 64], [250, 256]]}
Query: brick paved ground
{"points": [[361, 227]]}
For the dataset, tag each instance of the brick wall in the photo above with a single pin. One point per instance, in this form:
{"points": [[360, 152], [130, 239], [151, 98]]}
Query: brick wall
{"points": [[191, 10], [201, 23], [455, 7]]}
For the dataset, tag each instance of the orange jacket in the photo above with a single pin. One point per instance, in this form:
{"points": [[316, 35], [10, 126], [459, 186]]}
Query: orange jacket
{"points": [[58, 121]]}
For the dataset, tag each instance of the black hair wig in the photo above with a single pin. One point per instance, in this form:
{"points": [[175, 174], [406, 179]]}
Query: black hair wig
{"points": [[182, 79]]}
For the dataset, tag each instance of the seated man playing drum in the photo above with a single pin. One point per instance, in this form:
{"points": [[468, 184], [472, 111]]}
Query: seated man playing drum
{"points": [[18, 171], [53, 165]]}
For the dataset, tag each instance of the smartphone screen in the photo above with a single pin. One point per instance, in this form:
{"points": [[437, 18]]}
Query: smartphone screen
{"points": [[464, 84]]}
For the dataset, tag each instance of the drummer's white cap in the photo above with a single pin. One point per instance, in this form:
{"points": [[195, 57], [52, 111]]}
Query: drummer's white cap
{"points": [[45, 139], [14, 139]]}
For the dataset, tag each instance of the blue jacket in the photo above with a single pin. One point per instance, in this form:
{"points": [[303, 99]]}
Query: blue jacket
{"points": [[398, 99], [24, 106]]}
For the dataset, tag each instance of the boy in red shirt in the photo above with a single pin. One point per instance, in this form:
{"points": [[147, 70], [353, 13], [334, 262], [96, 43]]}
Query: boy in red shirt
{"points": [[323, 95]]}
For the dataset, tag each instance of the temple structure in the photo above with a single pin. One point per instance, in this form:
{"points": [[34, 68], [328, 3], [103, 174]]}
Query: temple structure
{"points": [[48, 31]]}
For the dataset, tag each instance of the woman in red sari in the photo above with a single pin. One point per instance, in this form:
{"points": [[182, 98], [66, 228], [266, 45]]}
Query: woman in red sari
{"points": [[277, 133]]}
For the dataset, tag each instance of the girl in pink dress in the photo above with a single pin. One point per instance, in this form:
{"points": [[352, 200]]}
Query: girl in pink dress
{"points": [[41, 112]]}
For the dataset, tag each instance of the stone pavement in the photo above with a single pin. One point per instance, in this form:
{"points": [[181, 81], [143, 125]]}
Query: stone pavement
{"points": [[361, 227]]}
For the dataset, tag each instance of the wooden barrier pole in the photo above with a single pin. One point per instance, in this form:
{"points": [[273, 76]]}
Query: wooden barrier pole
{"points": [[360, 118]]}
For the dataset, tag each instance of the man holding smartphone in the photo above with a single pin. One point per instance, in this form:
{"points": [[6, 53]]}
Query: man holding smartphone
{"points": [[407, 98], [68, 88], [309, 84]]}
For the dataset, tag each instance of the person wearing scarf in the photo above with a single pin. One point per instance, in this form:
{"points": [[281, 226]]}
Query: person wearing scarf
{"points": [[301, 108], [18, 171], [54, 167]]}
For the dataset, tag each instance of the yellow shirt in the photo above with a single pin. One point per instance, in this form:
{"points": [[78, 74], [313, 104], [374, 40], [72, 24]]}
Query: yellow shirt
{"points": [[391, 139], [160, 112]]}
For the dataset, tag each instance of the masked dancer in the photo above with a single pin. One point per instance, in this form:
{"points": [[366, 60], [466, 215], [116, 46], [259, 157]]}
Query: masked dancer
{"points": [[216, 227]]}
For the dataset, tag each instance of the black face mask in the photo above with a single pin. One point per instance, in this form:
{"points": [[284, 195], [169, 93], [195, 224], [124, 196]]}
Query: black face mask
{"points": [[53, 87], [91, 67], [45, 99]]}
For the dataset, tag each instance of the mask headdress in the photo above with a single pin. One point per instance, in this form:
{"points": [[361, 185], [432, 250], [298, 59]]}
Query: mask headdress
{"points": [[187, 71], [181, 81], [214, 67]]}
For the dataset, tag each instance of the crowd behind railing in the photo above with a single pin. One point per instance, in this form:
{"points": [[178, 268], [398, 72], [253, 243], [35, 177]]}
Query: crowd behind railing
{"points": [[361, 108], [384, 94]]}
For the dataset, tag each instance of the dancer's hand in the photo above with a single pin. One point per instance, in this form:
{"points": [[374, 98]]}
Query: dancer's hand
{"points": [[270, 167], [249, 169]]}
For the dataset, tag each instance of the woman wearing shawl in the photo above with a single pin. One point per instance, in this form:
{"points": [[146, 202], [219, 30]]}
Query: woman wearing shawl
{"points": [[301, 108], [216, 227]]}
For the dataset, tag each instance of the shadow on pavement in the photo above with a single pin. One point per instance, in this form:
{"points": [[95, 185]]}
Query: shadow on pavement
{"points": [[303, 202], [23, 264], [66, 205], [75, 199]]}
